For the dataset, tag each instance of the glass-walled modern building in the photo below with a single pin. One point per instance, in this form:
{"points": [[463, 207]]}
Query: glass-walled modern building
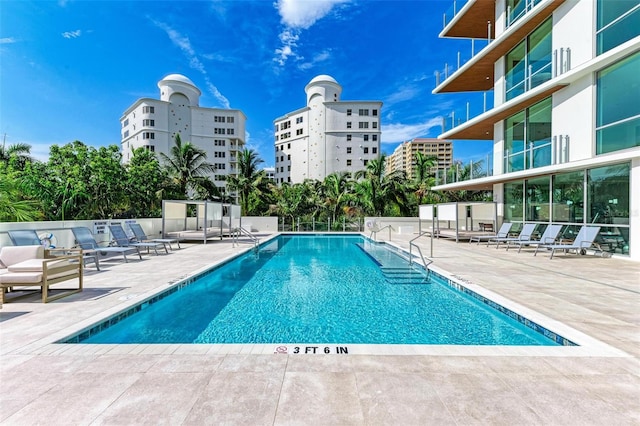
{"points": [[566, 118]]}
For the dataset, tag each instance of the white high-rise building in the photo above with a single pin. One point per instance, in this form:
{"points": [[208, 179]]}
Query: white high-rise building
{"points": [[154, 124], [565, 125], [326, 136]]}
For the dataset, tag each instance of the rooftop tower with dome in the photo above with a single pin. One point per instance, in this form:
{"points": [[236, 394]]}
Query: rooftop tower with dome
{"points": [[154, 124], [327, 135]]}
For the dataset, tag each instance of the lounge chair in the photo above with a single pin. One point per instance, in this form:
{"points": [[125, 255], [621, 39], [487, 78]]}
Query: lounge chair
{"points": [[85, 240], [28, 237], [549, 236], [525, 234], [141, 237], [584, 240], [503, 232], [26, 266], [122, 240]]}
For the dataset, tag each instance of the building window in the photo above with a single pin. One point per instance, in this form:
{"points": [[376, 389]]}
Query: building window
{"points": [[348, 162], [374, 112], [285, 125], [299, 120], [219, 142], [366, 150], [349, 112], [365, 162], [148, 123], [148, 110], [363, 125], [125, 123], [568, 197], [276, 128], [299, 131], [374, 150], [528, 65], [288, 156], [365, 138], [618, 21], [218, 131], [288, 146], [348, 138], [617, 106], [231, 119], [528, 138], [219, 154], [348, 150], [126, 134], [348, 124], [230, 131], [363, 112], [374, 138], [148, 135], [220, 166], [516, 9], [374, 124], [513, 201], [537, 199], [608, 195], [218, 119]]}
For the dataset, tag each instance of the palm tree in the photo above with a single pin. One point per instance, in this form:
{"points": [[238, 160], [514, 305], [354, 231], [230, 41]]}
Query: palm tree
{"points": [[188, 166], [250, 183], [19, 151], [424, 178], [13, 206], [337, 192], [377, 190]]}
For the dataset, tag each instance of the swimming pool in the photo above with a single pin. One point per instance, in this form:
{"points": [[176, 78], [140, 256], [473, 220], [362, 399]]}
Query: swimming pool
{"points": [[319, 289]]}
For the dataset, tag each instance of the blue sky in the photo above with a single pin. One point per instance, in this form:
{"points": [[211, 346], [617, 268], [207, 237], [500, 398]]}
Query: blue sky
{"points": [[71, 68]]}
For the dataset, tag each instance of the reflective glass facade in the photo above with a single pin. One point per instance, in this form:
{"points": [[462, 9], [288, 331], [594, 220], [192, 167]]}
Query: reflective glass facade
{"points": [[528, 138], [529, 64], [598, 196], [618, 106], [618, 21]]}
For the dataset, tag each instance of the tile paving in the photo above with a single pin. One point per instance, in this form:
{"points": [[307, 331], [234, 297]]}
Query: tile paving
{"points": [[597, 384]]}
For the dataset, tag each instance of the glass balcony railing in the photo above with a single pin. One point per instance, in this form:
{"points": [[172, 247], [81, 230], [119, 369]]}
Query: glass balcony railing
{"points": [[475, 168], [519, 9], [452, 11], [538, 154], [522, 79], [479, 105]]}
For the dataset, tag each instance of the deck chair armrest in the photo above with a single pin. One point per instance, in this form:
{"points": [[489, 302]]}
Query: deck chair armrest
{"points": [[549, 240], [585, 244], [46, 262]]}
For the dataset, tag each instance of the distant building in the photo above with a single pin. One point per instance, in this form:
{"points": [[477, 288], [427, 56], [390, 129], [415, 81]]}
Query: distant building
{"points": [[326, 136], [153, 124], [404, 156], [270, 173]]}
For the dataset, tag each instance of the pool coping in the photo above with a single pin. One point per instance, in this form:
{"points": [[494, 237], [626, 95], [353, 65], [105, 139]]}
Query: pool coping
{"points": [[588, 346]]}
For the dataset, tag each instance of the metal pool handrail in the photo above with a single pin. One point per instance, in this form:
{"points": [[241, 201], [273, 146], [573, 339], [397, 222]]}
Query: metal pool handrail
{"points": [[413, 244], [239, 231]]}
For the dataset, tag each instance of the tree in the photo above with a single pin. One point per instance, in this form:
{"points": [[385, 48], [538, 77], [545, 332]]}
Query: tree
{"points": [[424, 178], [18, 154], [146, 182], [376, 190], [250, 183], [188, 166], [13, 206], [337, 193]]}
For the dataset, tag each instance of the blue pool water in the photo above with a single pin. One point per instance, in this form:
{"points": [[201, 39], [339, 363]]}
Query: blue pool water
{"points": [[318, 289]]}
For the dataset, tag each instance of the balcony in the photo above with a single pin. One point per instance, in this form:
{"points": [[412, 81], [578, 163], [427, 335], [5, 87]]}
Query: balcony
{"points": [[476, 168], [468, 19], [477, 74]]}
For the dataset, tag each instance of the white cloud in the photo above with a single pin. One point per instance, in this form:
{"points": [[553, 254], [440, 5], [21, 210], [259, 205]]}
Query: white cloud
{"points": [[184, 44], [298, 15], [72, 34], [318, 58], [398, 132], [304, 13], [8, 40]]}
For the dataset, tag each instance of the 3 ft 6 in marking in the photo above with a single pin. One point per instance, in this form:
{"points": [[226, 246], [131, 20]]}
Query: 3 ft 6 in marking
{"points": [[320, 350]]}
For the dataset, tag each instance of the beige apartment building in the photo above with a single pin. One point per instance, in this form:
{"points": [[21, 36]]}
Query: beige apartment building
{"points": [[404, 156]]}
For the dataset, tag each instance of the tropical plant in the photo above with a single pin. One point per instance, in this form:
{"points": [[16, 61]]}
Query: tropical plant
{"points": [[250, 183], [13, 206], [17, 154], [376, 190], [188, 166]]}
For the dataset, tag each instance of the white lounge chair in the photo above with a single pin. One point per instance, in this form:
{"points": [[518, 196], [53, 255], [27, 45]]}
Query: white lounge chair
{"points": [[584, 240], [503, 232], [549, 236], [525, 234], [27, 237]]}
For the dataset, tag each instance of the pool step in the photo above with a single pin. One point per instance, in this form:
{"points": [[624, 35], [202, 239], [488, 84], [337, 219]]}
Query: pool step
{"points": [[404, 276]]}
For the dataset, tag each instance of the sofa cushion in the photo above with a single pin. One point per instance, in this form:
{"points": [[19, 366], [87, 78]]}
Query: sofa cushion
{"points": [[21, 278], [15, 254], [35, 265]]}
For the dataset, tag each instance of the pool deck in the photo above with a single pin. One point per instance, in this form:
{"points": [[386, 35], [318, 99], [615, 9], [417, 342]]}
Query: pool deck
{"points": [[596, 299]]}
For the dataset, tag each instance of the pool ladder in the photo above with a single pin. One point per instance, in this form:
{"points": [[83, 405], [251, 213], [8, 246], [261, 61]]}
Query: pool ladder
{"points": [[239, 231], [413, 244]]}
